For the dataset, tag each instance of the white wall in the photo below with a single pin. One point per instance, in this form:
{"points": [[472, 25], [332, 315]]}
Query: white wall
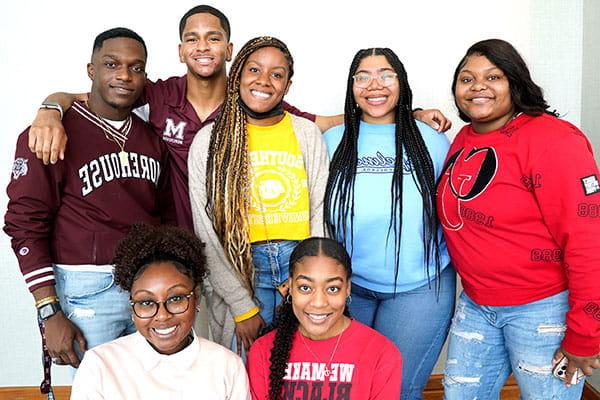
{"points": [[44, 47], [590, 91]]}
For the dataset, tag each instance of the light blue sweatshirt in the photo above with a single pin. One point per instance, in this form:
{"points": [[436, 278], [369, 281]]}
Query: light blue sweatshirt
{"points": [[373, 260]]}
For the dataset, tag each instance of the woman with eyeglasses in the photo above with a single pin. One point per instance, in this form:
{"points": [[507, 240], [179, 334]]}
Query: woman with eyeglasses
{"points": [[162, 268], [380, 202]]}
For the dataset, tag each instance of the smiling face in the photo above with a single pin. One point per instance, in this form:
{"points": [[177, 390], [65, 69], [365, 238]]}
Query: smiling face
{"points": [[264, 82], [204, 46], [319, 287], [166, 332], [118, 77], [378, 103], [482, 92]]}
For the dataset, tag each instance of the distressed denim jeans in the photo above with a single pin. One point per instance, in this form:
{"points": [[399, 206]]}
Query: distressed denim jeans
{"points": [[488, 343], [93, 302], [417, 321]]}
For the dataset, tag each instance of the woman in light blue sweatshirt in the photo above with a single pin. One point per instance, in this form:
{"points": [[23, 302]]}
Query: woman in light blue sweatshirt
{"points": [[380, 203]]}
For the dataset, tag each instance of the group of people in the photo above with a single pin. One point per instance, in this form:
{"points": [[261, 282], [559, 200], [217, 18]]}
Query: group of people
{"points": [[327, 260]]}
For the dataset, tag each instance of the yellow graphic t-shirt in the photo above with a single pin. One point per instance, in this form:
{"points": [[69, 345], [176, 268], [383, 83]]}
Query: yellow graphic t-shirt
{"points": [[279, 207]]}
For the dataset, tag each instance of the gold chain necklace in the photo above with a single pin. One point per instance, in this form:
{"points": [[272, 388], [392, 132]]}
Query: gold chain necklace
{"points": [[120, 139]]}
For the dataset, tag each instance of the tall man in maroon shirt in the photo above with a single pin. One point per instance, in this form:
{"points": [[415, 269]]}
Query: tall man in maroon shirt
{"points": [[65, 219]]}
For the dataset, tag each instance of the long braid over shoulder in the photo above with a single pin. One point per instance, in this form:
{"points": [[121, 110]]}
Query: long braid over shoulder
{"points": [[286, 323], [227, 168], [339, 197]]}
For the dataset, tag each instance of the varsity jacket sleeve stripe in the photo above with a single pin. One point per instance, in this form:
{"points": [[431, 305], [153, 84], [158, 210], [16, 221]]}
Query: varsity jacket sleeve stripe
{"points": [[34, 198], [567, 206]]}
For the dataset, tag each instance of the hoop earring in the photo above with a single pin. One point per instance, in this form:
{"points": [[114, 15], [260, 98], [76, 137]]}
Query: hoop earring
{"points": [[288, 299], [349, 299]]}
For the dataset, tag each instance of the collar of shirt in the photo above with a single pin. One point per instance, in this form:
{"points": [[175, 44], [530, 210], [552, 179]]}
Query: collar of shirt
{"points": [[151, 359]]}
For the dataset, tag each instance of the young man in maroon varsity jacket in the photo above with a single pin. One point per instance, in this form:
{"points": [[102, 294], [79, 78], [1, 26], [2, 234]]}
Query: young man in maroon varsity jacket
{"points": [[65, 219]]}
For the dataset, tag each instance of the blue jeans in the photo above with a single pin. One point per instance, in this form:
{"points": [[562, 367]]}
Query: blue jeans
{"points": [[487, 343], [271, 269], [416, 321], [93, 302]]}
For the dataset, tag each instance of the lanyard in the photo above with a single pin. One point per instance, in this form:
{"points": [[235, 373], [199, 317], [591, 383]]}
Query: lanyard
{"points": [[46, 385]]}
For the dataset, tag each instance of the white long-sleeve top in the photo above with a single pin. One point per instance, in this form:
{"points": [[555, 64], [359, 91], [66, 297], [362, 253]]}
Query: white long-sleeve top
{"points": [[129, 368]]}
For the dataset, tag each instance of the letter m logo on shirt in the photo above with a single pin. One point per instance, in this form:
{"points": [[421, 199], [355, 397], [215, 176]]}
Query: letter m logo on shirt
{"points": [[172, 130]]}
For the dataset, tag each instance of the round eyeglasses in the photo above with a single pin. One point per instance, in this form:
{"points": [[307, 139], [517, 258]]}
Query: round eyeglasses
{"points": [[177, 304], [385, 78]]}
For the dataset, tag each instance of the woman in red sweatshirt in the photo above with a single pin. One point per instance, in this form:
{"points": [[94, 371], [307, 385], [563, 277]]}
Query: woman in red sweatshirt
{"points": [[519, 203]]}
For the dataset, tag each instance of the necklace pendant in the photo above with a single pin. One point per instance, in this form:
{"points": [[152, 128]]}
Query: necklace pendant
{"points": [[124, 157], [327, 372]]}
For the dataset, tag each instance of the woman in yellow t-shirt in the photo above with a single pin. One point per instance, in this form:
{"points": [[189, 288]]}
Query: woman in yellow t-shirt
{"points": [[257, 179]]}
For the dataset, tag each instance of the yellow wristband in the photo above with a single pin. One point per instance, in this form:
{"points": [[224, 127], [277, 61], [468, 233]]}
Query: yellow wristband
{"points": [[46, 300], [246, 315]]}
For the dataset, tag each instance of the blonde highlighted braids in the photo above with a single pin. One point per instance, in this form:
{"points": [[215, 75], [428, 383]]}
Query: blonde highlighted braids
{"points": [[227, 167]]}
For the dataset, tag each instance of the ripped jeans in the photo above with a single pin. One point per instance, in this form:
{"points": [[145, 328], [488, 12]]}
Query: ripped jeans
{"points": [[94, 302], [488, 343]]}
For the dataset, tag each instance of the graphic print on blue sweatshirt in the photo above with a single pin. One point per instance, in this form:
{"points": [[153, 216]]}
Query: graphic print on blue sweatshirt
{"points": [[380, 163], [373, 254]]}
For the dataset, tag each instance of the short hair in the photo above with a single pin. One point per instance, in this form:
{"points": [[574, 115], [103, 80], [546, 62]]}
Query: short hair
{"points": [[205, 9], [527, 97], [146, 245], [118, 33]]}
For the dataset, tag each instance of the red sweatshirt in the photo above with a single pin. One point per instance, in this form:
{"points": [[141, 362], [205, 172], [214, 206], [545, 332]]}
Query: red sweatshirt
{"points": [[520, 208], [364, 365], [75, 211]]}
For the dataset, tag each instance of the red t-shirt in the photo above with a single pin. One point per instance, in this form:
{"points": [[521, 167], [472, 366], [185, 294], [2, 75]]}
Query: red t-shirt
{"points": [[172, 116], [366, 365], [520, 210]]}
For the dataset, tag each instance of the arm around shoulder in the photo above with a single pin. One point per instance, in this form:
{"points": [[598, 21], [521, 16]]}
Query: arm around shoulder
{"points": [[47, 136]]}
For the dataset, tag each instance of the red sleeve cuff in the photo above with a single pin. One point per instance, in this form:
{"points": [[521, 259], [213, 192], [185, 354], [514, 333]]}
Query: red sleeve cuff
{"points": [[582, 346]]}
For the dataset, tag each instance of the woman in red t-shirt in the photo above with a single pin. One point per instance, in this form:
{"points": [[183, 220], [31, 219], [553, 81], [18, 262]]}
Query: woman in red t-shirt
{"points": [[316, 350]]}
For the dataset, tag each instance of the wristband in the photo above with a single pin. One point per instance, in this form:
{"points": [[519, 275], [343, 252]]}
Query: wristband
{"points": [[416, 109], [48, 105], [46, 300], [246, 315]]}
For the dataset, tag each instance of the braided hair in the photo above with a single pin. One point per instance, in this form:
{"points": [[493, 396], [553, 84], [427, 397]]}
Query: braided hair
{"points": [[286, 323], [339, 195], [227, 167]]}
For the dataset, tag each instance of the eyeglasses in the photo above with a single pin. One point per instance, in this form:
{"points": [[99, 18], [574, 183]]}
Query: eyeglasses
{"points": [[385, 78], [177, 304]]}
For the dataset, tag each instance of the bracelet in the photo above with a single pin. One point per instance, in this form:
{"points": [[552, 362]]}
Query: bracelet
{"points": [[46, 300], [247, 315], [48, 105]]}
